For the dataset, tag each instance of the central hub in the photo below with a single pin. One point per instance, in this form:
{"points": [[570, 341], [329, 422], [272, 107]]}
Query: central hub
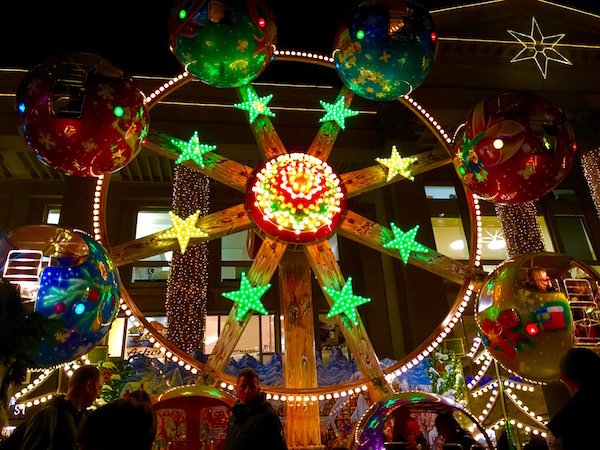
{"points": [[296, 198]]}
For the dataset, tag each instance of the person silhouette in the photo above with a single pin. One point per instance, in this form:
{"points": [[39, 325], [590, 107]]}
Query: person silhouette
{"points": [[579, 372], [452, 432]]}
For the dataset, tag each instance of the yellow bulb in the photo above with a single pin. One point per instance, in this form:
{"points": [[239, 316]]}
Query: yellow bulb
{"points": [[498, 143]]}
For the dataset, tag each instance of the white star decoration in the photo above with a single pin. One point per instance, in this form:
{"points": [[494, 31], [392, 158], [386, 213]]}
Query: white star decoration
{"points": [[538, 47]]}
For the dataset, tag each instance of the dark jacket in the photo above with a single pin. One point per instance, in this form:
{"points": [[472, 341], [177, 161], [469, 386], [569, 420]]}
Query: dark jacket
{"points": [[576, 422], [54, 426], [254, 426]]}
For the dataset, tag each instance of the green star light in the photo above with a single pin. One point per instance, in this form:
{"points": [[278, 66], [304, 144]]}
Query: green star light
{"points": [[337, 112], [405, 242], [192, 149], [256, 105], [247, 298], [345, 301]]}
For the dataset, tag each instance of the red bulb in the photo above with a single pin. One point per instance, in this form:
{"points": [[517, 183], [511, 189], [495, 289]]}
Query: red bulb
{"points": [[433, 36], [261, 22], [532, 329], [574, 146]]}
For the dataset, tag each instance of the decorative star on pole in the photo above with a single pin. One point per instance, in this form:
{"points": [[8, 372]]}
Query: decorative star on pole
{"points": [[405, 242], [538, 47], [397, 165], [183, 229], [256, 105], [247, 298], [192, 149], [337, 112], [345, 301]]}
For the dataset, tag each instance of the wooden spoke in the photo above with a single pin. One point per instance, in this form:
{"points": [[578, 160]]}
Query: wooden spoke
{"points": [[328, 273], [264, 132], [216, 225], [364, 231], [323, 142], [219, 168], [300, 360], [260, 273], [374, 177]]}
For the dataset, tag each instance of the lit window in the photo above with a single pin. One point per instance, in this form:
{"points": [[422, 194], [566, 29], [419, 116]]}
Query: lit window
{"points": [[440, 192], [53, 216], [150, 222], [450, 237]]}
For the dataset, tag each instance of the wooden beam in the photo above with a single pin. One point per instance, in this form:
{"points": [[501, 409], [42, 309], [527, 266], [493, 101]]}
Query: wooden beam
{"points": [[260, 273], [374, 177], [323, 142], [328, 273], [299, 358], [364, 231], [264, 132], [219, 168], [217, 225]]}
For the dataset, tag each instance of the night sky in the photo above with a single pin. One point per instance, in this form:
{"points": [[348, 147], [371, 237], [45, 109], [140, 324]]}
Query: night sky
{"points": [[133, 34]]}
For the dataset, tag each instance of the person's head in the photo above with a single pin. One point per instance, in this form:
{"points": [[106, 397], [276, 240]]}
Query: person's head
{"points": [[540, 278], [410, 430], [248, 385], [446, 425], [579, 367], [132, 421], [140, 395], [84, 386], [536, 443]]}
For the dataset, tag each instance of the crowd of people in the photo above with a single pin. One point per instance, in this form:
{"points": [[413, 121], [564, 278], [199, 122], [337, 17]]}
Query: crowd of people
{"points": [[64, 422]]}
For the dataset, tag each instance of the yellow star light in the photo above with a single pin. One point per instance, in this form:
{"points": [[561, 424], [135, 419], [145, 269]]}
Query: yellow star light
{"points": [[397, 165], [183, 229], [538, 47]]}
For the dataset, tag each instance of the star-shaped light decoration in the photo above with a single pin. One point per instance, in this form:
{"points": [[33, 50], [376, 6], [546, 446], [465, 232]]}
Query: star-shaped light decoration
{"points": [[397, 165], [247, 298], [337, 111], [405, 242], [538, 47], [256, 105], [183, 229], [345, 301], [192, 149]]}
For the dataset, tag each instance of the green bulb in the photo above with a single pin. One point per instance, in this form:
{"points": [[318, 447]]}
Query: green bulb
{"points": [[182, 14], [118, 111], [360, 34], [462, 170]]}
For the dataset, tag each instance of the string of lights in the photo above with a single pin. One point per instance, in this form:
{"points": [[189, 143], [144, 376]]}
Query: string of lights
{"points": [[590, 162], [187, 285], [521, 229]]}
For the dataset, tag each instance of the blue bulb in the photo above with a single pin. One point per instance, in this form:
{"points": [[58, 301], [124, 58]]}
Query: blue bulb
{"points": [[79, 308], [21, 107]]}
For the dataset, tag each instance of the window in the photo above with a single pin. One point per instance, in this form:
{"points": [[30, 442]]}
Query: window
{"points": [[440, 192], [450, 237], [153, 268], [52, 215], [575, 237], [568, 195]]}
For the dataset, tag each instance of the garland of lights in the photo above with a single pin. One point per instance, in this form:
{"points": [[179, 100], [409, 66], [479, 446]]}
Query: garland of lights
{"points": [[590, 162], [187, 285], [520, 227]]}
